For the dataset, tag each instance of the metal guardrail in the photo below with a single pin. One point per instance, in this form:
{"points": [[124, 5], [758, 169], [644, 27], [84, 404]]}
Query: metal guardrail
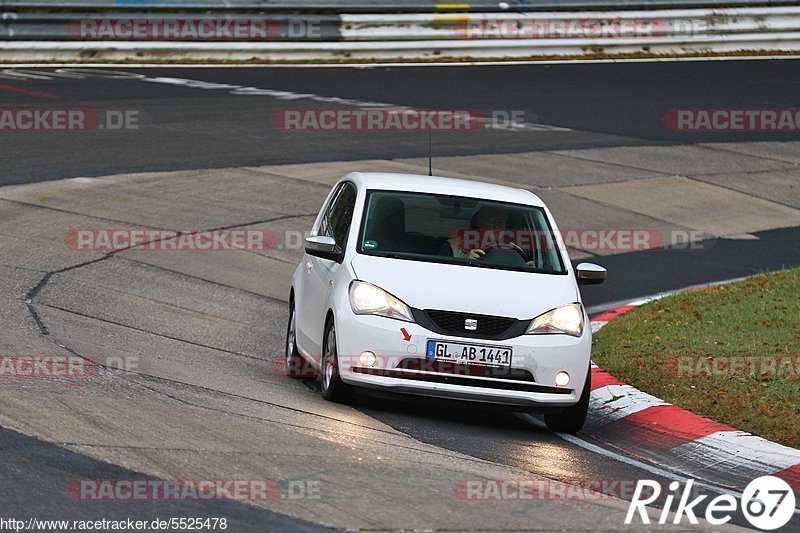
{"points": [[554, 26], [367, 6], [332, 6], [99, 37], [477, 28], [73, 26], [293, 20]]}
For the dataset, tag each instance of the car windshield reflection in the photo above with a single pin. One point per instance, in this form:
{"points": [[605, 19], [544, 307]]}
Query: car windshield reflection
{"points": [[459, 230]]}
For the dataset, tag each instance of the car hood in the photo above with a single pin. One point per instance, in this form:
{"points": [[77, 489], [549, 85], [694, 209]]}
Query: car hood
{"points": [[467, 289]]}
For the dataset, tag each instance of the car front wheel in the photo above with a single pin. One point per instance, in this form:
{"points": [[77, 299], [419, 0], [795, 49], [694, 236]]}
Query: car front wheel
{"points": [[295, 365], [571, 419], [331, 384]]}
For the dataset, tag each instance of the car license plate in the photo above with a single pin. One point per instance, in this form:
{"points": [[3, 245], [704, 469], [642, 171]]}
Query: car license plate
{"points": [[475, 354]]}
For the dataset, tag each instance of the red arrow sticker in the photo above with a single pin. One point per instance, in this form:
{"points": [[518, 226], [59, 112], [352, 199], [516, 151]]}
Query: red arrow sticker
{"points": [[406, 334]]}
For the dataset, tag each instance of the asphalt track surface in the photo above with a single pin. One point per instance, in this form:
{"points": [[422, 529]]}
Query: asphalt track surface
{"points": [[190, 127], [605, 104], [187, 127], [37, 472]]}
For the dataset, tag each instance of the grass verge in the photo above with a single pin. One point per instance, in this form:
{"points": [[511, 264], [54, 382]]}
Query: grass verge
{"points": [[731, 353]]}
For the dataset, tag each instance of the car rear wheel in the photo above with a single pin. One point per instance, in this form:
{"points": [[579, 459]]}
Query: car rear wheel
{"points": [[571, 419], [331, 384], [295, 365]]}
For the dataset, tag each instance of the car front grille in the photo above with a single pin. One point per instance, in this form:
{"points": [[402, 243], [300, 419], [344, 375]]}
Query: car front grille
{"points": [[488, 327], [515, 385], [446, 367]]}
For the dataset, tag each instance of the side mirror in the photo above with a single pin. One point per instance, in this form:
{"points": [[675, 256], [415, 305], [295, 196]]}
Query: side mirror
{"points": [[322, 246], [590, 274]]}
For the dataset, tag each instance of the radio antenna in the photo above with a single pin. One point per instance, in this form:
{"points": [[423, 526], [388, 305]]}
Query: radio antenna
{"points": [[430, 154]]}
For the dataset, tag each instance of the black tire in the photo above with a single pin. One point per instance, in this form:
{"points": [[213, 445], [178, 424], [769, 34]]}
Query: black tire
{"points": [[571, 419], [295, 365], [331, 384]]}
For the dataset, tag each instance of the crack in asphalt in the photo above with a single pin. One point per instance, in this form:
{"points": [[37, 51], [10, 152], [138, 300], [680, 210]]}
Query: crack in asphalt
{"points": [[31, 295], [257, 169], [115, 290], [699, 179], [789, 164], [66, 211], [212, 282], [774, 159], [162, 335], [126, 374]]}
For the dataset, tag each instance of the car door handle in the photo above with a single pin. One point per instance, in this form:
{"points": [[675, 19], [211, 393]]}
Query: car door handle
{"points": [[308, 266]]}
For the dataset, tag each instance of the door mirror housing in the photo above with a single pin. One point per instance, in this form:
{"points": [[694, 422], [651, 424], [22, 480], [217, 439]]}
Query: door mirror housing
{"points": [[324, 247], [590, 274]]}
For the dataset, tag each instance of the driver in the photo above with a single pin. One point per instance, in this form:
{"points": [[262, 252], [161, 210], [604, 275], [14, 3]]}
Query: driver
{"points": [[487, 219]]}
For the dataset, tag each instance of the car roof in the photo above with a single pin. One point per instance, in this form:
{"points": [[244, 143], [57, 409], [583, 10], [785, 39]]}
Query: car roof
{"points": [[395, 181]]}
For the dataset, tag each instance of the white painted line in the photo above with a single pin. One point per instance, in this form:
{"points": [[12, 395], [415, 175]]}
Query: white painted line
{"points": [[653, 469], [711, 487], [487, 122], [597, 325], [739, 450], [614, 402], [642, 301]]}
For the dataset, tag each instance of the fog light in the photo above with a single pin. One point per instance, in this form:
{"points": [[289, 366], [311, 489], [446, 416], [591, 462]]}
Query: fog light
{"points": [[368, 359], [562, 378]]}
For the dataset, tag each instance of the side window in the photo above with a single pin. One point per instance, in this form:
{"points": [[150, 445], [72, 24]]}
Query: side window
{"points": [[324, 223], [339, 216]]}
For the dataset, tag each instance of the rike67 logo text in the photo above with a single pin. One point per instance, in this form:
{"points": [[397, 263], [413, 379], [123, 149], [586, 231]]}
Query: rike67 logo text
{"points": [[767, 503]]}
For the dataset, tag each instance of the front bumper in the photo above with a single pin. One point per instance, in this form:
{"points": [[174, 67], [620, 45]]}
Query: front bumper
{"points": [[531, 383]]}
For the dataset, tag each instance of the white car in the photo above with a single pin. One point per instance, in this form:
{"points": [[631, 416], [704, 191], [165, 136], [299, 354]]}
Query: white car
{"points": [[442, 287]]}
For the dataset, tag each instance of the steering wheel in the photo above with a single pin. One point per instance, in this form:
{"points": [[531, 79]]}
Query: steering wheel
{"points": [[507, 246]]}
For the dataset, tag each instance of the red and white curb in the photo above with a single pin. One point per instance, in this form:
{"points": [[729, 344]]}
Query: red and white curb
{"points": [[646, 427]]}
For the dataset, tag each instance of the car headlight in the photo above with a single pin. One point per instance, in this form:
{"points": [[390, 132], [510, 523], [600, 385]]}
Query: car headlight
{"points": [[566, 319], [367, 299]]}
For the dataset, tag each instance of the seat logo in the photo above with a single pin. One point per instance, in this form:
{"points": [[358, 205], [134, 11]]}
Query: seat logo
{"points": [[470, 324]]}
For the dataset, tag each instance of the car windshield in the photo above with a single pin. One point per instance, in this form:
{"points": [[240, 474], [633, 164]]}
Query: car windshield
{"points": [[459, 230]]}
